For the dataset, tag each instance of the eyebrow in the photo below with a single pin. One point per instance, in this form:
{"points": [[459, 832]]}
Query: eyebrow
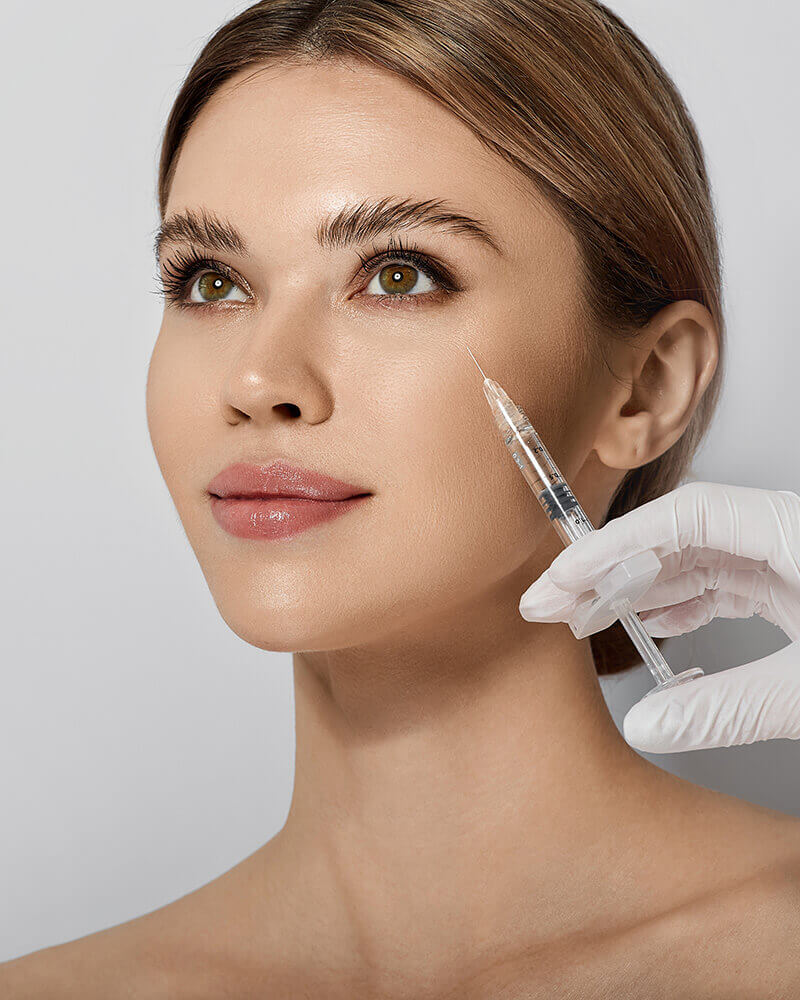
{"points": [[351, 225]]}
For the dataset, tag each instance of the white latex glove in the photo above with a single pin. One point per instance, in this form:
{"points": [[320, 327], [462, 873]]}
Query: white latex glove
{"points": [[728, 551]]}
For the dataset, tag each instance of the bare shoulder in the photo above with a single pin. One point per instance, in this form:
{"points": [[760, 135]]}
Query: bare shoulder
{"points": [[52, 972], [186, 948], [720, 918], [737, 936], [165, 954], [739, 942], [112, 963]]}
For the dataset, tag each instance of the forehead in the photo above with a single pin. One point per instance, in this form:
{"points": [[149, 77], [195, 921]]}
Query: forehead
{"points": [[292, 142]]}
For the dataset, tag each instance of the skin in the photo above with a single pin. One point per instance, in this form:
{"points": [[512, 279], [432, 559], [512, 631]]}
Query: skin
{"points": [[466, 818]]}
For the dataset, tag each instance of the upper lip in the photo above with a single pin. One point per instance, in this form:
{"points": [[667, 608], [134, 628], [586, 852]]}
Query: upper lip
{"points": [[279, 479]]}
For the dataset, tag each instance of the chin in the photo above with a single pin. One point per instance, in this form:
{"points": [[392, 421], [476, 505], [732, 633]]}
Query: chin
{"points": [[275, 636], [278, 628]]}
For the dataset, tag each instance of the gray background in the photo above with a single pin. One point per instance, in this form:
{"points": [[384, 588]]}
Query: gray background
{"points": [[144, 748]]}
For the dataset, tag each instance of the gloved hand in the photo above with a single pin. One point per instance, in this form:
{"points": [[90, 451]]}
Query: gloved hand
{"points": [[729, 551]]}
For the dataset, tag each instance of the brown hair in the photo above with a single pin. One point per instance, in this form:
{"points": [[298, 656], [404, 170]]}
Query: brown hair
{"points": [[565, 92]]}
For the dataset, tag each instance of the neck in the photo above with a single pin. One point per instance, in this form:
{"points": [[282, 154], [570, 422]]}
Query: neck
{"points": [[454, 777]]}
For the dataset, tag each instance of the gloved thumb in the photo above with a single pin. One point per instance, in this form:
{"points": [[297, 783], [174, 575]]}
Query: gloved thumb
{"points": [[746, 704]]}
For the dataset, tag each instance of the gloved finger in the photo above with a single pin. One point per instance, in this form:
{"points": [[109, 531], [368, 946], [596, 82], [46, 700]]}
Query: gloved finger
{"points": [[579, 566], [556, 606], [685, 560], [696, 612], [774, 597], [741, 520], [746, 704], [559, 605], [696, 515], [753, 584]]}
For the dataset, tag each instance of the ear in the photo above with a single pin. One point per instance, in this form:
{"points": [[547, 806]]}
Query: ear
{"points": [[662, 374]]}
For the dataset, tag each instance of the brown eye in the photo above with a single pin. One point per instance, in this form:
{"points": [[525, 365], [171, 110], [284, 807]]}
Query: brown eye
{"points": [[211, 286], [401, 279]]}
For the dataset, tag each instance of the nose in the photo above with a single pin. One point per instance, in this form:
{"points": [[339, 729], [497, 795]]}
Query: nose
{"points": [[276, 376]]}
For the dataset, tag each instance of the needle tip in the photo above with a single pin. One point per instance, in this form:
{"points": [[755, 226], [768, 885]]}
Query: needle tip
{"points": [[474, 359]]}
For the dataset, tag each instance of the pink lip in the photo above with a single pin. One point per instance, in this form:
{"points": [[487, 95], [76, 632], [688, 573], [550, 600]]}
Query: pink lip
{"points": [[278, 500]]}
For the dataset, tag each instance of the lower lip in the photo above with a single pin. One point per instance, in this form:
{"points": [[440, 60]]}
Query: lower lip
{"points": [[276, 517]]}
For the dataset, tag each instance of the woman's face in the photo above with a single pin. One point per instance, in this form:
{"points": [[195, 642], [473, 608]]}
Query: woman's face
{"points": [[293, 352]]}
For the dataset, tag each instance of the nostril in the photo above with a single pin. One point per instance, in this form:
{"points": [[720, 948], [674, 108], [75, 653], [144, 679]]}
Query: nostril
{"points": [[291, 409]]}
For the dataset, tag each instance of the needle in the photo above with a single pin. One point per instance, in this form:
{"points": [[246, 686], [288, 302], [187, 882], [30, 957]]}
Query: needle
{"points": [[473, 358]]}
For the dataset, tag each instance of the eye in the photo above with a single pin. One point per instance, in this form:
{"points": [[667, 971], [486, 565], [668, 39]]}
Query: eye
{"points": [[212, 286], [189, 280], [400, 279], [401, 274]]}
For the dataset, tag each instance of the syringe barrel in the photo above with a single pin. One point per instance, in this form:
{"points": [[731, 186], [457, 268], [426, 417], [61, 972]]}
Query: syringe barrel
{"points": [[537, 467], [615, 592]]}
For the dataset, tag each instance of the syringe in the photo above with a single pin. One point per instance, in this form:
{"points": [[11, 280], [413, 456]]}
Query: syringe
{"points": [[619, 588]]}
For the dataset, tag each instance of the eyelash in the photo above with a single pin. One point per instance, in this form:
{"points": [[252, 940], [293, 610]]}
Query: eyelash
{"points": [[180, 270]]}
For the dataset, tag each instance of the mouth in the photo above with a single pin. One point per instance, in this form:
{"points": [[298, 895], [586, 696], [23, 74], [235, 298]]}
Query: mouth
{"points": [[278, 500]]}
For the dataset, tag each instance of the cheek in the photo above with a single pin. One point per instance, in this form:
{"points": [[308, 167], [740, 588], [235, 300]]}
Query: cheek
{"points": [[470, 519], [176, 398], [463, 516], [163, 400]]}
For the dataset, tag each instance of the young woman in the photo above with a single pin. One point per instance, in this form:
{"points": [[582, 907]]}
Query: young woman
{"points": [[352, 193]]}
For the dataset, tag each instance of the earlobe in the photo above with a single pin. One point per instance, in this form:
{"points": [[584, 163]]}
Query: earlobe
{"points": [[669, 366]]}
